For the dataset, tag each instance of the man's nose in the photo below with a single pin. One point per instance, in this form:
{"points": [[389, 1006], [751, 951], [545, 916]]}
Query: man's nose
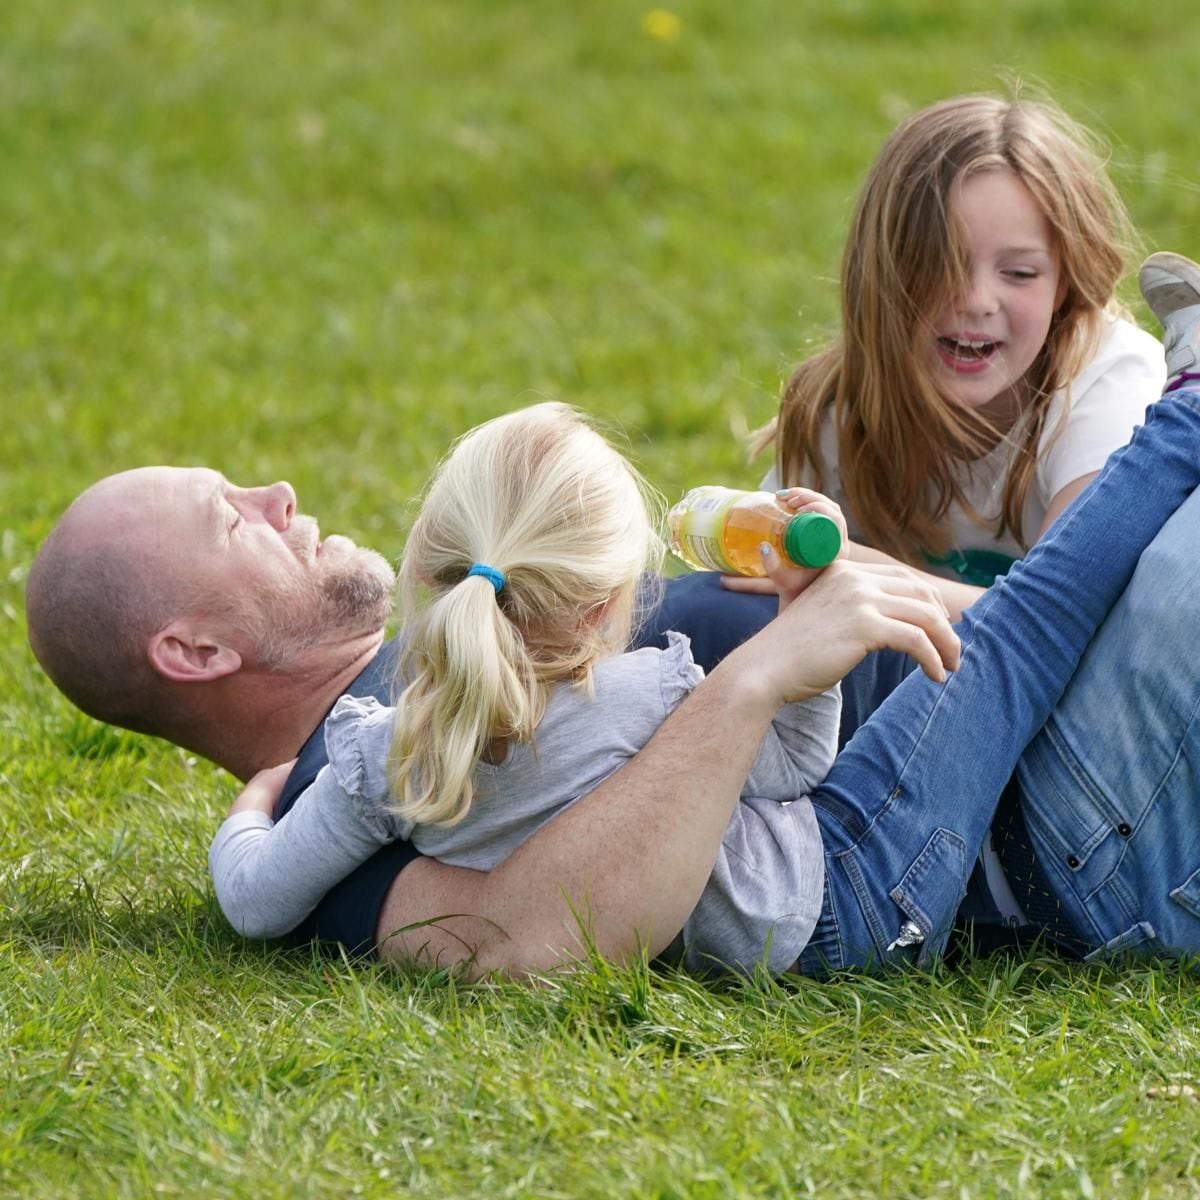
{"points": [[278, 504]]}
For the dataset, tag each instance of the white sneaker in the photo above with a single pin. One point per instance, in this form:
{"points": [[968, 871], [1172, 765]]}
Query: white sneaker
{"points": [[1171, 285]]}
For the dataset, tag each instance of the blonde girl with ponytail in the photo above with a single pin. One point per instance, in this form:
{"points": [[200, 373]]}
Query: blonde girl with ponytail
{"points": [[520, 572], [519, 589]]}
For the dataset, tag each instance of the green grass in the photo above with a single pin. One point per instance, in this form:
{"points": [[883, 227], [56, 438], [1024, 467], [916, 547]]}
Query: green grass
{"points": [[317, 240]]}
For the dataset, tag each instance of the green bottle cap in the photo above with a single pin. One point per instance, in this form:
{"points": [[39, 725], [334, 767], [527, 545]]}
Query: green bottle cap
{"points": [[812, 540]]}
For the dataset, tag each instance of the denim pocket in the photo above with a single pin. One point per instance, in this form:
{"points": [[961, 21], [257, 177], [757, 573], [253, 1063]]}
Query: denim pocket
{"points": [[932, 889], [1187, 894], [1139, 939]]}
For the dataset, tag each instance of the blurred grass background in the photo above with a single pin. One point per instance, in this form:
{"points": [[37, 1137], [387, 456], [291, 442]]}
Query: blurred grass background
{"points": [[316, 241]]}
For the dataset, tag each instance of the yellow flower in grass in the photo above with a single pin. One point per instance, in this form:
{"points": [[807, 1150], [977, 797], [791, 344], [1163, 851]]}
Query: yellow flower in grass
{"points": [[661, 24]]}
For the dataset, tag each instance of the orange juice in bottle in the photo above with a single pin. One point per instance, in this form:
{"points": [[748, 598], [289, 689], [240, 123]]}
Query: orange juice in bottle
{"points": [[721, 529]]}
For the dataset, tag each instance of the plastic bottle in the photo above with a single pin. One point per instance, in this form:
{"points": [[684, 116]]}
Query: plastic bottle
{"points": [[721, 529]]}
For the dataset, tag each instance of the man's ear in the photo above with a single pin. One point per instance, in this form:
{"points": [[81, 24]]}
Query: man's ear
{"points": [[186, 654]]}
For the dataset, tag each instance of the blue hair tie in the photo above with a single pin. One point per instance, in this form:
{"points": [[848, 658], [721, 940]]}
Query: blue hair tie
{"points": [[494, 577]]}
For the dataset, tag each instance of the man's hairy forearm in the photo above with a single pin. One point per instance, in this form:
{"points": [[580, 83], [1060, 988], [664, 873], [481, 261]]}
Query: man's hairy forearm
{"points": [[624, 866]]}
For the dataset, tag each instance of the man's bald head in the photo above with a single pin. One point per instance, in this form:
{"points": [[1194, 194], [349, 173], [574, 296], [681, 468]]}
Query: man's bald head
{"points": [[97, 593], [167, 576]]}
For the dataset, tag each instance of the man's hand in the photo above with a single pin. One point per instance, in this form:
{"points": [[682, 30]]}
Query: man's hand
{"points": [[830, 624], [262, 793]]}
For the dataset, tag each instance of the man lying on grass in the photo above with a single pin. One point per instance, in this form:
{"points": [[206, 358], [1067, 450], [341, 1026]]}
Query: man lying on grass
{"points": [[173, 602]]}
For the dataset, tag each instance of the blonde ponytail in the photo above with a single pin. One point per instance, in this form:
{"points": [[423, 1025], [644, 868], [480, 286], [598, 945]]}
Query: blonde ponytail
{"points": [[562, 522], [472, 681]]}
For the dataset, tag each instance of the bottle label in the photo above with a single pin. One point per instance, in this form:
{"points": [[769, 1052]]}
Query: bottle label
{"points": [[698, 523]]}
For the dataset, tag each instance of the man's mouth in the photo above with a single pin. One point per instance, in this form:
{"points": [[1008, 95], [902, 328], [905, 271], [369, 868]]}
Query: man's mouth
{"points": [[334, 543], [968, 350], [303, 538]]}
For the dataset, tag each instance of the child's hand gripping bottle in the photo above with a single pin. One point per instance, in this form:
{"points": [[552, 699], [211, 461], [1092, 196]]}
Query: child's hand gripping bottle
{"points": [[721, 529]]}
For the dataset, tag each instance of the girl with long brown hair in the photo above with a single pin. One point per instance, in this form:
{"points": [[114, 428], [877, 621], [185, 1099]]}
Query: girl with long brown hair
{"points": [[984, 371]]}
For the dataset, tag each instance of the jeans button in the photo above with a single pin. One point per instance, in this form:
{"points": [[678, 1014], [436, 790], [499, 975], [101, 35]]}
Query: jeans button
{"points": [[1072, 861], [1124, 829]]}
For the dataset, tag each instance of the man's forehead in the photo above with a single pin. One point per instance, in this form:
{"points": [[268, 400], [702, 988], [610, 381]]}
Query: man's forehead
{"points": [[175, 495], [203, 486], [173, 502], [160, 486], [204, 500]]}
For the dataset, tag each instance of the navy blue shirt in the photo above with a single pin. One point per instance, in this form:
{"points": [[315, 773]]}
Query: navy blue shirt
{"points": [[350, 911]]}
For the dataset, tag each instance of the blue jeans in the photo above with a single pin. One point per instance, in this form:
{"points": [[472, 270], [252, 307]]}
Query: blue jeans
{"points": [[905, 808], [1111, 786]]}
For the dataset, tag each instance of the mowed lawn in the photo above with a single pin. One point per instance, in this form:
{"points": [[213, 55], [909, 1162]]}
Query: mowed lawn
{"points": [[315, 241]]}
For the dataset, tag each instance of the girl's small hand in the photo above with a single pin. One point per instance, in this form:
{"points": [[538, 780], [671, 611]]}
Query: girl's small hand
{"points": [[262, 792], [797, 500], [754, 584], [789, 580], [801, 500]]}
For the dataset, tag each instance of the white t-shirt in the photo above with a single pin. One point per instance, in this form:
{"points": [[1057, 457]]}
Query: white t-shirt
{"points": [[1108, 399]]}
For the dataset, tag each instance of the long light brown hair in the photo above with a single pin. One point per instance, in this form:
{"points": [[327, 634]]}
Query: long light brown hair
{"points": [[900, 441]]}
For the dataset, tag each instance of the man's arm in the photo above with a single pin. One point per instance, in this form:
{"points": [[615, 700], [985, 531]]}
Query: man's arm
{"points": [[630, 860]]}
